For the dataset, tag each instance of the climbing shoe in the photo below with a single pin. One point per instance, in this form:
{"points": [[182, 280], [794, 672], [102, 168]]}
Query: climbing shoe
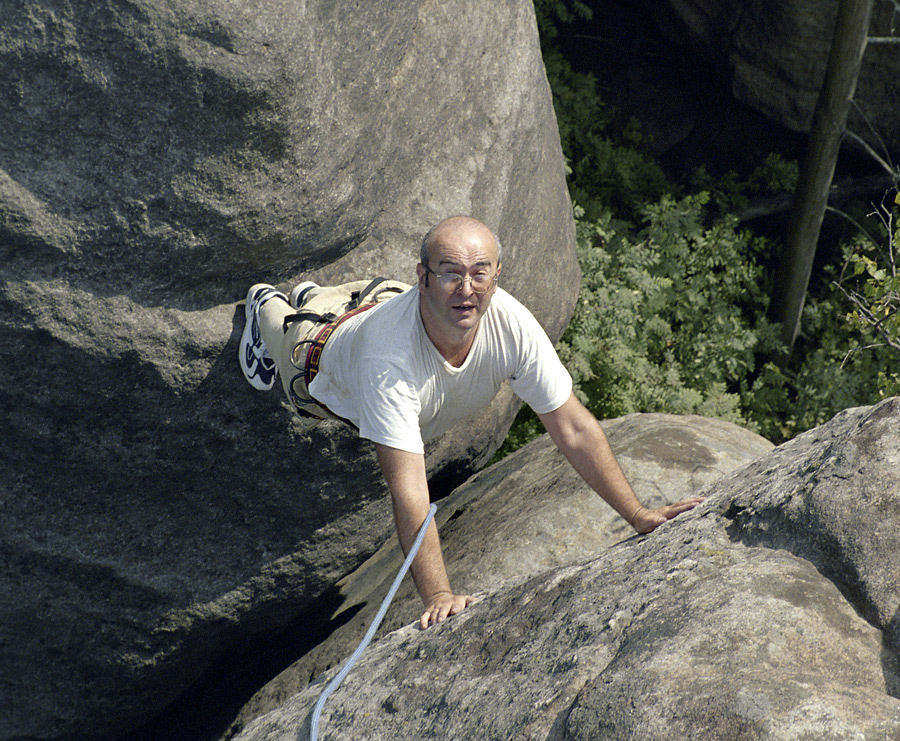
{"points": [[256, 363], [298, 294]]}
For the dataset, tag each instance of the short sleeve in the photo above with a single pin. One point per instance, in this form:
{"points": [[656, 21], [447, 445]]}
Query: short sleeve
{"points": [[389, 408], [540, 379]]}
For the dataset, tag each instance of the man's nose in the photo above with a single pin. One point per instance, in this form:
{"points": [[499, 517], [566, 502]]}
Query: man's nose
{"points": [[465, 288]]}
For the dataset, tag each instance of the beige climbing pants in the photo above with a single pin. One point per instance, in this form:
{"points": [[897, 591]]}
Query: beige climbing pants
{"points": [[294, 337]]}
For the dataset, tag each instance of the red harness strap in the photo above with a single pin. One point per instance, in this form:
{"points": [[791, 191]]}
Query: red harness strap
{"points": [[314, 354]]}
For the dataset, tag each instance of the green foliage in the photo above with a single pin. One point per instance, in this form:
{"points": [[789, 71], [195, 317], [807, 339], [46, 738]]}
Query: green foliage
{"points": [[551, 13], [731, 192], [852, 334], [671, 316], [877, 310], [833, 369], [674, 320], [876, 294], [670, 322]]}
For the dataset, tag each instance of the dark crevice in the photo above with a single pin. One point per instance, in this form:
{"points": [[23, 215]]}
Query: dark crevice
{"points": [[207, 710]]}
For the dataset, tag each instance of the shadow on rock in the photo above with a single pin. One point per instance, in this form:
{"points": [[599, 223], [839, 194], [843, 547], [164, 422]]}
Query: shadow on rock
{"points": [[890, 656], [206, 711]]}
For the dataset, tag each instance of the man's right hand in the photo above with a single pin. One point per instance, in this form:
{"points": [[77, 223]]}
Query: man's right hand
{"points": [[442, 605], [406, 478]]}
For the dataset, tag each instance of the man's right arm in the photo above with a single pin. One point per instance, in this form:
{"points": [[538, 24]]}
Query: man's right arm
{"points": [[408, 484], [581, 439]]}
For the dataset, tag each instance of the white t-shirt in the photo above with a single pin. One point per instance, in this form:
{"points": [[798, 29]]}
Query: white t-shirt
{"points": [[381, 371]]}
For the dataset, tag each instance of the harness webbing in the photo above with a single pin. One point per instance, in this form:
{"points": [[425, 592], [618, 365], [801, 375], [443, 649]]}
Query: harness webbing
{"points": [[309, 367], [308, 316], [314, 353]]}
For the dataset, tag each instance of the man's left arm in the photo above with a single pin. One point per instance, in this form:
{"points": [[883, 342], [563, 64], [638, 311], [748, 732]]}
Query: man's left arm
{"points": [[582, 441]]}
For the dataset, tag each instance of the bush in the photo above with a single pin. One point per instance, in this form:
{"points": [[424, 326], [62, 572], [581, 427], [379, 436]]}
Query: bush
{"points": [[875, 292], [671, 322], [833, 368], [671, 317], [674, 320], [849, 351], [606, 168]]}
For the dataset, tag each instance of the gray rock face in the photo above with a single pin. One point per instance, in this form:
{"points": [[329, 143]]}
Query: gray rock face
{"points": [[770, 611], [156, 160], [777, 51], [525, 515]]}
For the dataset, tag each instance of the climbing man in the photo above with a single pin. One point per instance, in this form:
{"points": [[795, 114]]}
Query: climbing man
{"points": [[402, 364]]}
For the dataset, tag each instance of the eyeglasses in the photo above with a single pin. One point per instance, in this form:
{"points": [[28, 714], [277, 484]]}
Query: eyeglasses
{"points": [[452, 282]]}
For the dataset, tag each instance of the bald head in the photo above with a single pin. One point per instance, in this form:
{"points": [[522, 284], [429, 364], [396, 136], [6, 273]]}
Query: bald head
{"points": [[452, 228]]}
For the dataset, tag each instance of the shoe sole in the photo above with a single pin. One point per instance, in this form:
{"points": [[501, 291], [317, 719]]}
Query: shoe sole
{"points": [[251, 364], [300, 291]]}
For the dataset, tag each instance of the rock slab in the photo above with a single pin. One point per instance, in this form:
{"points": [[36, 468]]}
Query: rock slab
{"points": [[156, 160], [525, 515], [769, 612]]}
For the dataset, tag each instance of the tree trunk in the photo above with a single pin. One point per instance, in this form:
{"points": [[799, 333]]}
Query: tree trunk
{"points": [[817, 168]]}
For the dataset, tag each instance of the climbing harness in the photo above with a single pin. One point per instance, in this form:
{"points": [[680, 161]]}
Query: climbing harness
{"points": [[333, 684], [306, 354]]}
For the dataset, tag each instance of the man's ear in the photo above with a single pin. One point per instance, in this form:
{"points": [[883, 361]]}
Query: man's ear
{"points": [[422, 274]]}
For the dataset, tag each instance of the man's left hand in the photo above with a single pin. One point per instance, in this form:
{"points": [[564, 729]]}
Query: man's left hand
{"points": [[646, 520], [443, 605]]}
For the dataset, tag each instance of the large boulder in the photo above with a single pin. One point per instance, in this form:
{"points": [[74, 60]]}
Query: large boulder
{"points": [[770, 611], [775, 52], [156, 160], [525, 515]]}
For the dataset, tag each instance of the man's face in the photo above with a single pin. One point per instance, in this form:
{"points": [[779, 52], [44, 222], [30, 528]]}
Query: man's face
{"points": [[467, 250]]}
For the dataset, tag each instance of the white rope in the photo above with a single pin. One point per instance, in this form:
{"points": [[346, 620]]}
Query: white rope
{"points": [[333, 684]]}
